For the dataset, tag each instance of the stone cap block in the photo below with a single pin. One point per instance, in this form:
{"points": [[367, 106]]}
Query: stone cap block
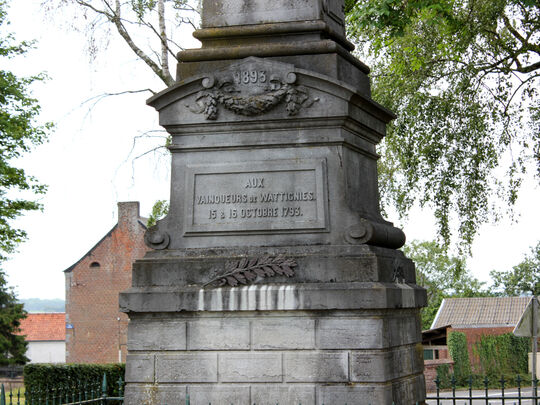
{"points": [[223, 13]]}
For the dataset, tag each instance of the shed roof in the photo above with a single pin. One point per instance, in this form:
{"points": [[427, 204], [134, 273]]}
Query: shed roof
{"points": [[44, 326], [480, 312], [435, 336]]}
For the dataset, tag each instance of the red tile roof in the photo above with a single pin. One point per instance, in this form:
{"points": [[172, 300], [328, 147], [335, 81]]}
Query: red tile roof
{"points": [[44, 326]]}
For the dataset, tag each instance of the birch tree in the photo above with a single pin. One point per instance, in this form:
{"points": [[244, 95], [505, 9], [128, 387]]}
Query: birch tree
{"points": [[463, 77], [150, 28]]}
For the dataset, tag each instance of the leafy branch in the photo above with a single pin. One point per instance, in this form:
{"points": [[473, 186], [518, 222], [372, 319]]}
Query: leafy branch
{"points": [[246, 270]]}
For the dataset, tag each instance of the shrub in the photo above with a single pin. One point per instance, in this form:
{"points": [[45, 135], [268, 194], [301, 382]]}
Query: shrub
{"points": [[443, 372], [45, 376]]}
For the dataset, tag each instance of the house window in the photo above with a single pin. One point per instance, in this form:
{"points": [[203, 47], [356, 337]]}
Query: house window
{"points": [[95, 264], [431, 354]]}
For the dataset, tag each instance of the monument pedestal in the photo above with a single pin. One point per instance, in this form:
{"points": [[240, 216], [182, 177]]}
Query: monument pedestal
{"points": [[356, 341], [277, 351], [274, 277]]}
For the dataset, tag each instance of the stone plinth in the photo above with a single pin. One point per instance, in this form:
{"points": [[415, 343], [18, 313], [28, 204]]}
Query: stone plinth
{"points": [[275, 357], [274, 278]]}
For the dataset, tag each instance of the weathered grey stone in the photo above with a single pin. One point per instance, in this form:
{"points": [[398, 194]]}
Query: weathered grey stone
{"points": [[283, 334], [403, 330], [321, 265], [380, 366], [329, 64], [154, 394], [223, 334], [273, 142], [250, 367], [346, 333], [225, 13], [140, 368], [188, 367], [356, 395], [219, 394], [300, 297], [151, 335], [406, 391], [328, 98], [409, 390], [316, 366], [269, 394]]}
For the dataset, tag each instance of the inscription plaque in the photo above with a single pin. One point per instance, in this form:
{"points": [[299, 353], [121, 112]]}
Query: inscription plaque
{"points": [[268, 196]]}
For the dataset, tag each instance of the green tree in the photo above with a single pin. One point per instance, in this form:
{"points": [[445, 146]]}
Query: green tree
{"points": [[524, 278], [463, 77], [12, 345], [442, 275], [18, 134], [159, 210]]}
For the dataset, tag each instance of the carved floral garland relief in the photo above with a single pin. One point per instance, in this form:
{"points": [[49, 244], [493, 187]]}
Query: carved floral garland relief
{"points": [[249, 93]]}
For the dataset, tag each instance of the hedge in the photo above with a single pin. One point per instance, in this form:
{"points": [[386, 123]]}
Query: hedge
{"points": [[42, 376]]}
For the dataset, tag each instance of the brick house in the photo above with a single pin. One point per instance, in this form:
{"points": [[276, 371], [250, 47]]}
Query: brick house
{"points": [[45, 334], [96, 332], [436, 353], [476, 317]]}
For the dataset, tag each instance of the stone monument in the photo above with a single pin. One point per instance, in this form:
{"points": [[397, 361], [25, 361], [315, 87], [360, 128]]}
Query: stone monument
{"points": [[273, 279]]}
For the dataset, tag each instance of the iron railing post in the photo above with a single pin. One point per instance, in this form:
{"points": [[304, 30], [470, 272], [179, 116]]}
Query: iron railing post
{"points": [[438, 387], [486, 385], [2, 395], [470, 390], [453, 381], [502, 380], [120, 387], [104, 390], [535, 391], [518, 380]]}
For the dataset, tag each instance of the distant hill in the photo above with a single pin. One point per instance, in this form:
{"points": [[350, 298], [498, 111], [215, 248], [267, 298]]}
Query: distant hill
{"points": [[43, 305]]}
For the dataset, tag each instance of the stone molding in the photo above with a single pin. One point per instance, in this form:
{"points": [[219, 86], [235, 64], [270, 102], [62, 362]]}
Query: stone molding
{"points": [[260, 297]]}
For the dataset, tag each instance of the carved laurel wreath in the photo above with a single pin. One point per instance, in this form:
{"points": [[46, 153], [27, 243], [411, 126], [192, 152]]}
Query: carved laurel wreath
{"points": [[245, 271], [228, 95]]}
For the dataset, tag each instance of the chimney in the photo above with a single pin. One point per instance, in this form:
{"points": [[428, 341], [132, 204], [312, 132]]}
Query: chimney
{"points": [[128, 213]]}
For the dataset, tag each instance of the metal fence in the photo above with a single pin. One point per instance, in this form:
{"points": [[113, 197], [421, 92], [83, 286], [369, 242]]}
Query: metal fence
{"points": [[76, 393], [96, 393], [188, 402], [486, 395]]}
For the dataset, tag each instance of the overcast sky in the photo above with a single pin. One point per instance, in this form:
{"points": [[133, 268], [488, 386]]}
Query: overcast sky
{"points": [[89, 163]]}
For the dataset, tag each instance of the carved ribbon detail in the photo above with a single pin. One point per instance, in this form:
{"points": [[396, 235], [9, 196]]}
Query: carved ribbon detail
{"points": [[230, 96]]}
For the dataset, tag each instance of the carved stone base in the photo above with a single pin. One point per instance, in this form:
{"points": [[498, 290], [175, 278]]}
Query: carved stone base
{"points": [[356, 341], [276, 356]]}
